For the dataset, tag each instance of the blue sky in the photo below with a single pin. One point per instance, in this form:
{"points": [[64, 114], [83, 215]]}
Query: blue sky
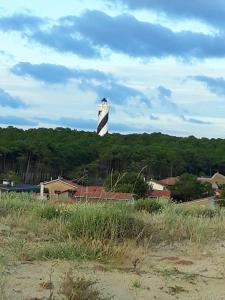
{"points": [[159, 63]]}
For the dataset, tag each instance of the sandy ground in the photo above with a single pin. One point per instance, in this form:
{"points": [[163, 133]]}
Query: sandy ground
{"points": [[168, 272]]}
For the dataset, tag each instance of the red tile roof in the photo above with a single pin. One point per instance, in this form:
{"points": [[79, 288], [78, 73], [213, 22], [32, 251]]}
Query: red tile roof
{"points": [[99, 192], [160, 194], [169, 181], [92, 191]]}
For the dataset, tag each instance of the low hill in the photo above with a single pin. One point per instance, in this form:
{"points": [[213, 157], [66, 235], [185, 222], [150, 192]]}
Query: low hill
{"points": [[39, 154]]}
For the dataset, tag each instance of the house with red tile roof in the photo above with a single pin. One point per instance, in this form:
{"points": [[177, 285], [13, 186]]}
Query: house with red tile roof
{"points": [[158, 190], [98, 193], [61, 189], [156, 185]]}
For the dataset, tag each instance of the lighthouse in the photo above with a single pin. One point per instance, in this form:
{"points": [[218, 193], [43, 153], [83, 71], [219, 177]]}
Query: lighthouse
{"points": [[103, 117]]}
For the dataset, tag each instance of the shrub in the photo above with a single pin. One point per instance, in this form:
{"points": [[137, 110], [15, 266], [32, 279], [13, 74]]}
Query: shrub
{"points": [[149, 205], [221, 202], [80, 288]]}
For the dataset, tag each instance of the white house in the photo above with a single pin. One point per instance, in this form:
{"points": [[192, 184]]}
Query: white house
{"points": [[156, 186]]}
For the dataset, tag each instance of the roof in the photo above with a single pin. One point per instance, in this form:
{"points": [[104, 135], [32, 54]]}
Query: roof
{"points": [[19, 188], [160, 194], [217, 178], [68, 182], [169, 181], [99, 192], [204, 179]]}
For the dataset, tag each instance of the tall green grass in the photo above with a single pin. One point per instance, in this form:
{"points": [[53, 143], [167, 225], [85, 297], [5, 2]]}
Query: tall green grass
{"points": [[104, 222], [13, 202], [99, 230]]}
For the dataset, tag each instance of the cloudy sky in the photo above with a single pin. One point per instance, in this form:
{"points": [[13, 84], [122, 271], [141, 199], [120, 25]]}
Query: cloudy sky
{"points": [[160, 63]]}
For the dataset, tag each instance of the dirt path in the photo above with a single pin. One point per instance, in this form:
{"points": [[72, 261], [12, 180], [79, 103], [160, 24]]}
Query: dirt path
{"points": [[165, 273]]}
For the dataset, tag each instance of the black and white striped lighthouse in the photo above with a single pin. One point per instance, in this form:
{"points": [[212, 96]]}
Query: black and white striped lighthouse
{"points": [[103, 117]]}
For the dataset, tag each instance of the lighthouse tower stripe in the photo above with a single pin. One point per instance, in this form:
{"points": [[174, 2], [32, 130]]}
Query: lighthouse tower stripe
{"points": [[103, 117], [103, 124]]}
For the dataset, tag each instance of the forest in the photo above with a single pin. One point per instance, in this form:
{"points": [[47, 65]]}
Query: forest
{"points": [[40, 154]]}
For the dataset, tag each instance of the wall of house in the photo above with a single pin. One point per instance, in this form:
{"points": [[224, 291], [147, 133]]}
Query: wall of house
{"points": [[218, 179], [57, 186], [156, 186], [64, 197]]}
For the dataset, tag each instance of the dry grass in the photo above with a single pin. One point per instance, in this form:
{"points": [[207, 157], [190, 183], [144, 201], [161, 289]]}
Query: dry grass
{"points": [[2, 283], [80, 288], [38, 230]]}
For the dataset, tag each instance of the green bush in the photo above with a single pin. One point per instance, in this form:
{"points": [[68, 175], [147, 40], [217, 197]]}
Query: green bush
{"points": [[149, 205], [221, 202]]}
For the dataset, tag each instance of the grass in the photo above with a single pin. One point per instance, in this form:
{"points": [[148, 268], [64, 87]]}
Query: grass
{"points": [[136, 284], [80, 288], [2, 281], [78, 249], [174, 290], [3, 277], [149, 205], [40, 230], [104, 222], [31, 229]]}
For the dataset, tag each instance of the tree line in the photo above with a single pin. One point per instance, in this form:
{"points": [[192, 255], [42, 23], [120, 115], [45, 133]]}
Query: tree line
{"points": [[40, 154]]}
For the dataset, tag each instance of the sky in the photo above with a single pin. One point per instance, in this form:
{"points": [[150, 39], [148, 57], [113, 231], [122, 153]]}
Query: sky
{"points": [[159, 63]]}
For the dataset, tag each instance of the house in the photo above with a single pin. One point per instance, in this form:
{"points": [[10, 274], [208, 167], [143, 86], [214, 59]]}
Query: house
{"points": [[66, 190], [158, 190], [156, 185], [53, 188], [217, 180], [98, 193], [9, 187]]}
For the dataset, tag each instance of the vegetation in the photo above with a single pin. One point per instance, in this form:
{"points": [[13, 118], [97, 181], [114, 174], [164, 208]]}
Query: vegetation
{"points": [[11, 176], [221, 202], [136, 284], [127, 183], [189, 188], [101, 231], [39, 154], [222, 194], [34, 230], [149, 205], [80, 288]]}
